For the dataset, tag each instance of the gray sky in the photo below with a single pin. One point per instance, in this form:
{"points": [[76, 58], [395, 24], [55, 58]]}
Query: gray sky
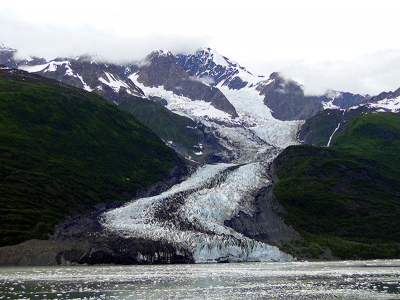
{"points": [[345, 45]]}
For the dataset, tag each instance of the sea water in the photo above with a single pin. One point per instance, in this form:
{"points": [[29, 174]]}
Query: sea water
{"points": [[376, 279]]}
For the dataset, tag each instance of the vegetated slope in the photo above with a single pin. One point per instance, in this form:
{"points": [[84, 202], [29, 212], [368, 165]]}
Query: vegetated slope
{"points": [[318, 130], [64, 150], [166, 124], [347, 196]]}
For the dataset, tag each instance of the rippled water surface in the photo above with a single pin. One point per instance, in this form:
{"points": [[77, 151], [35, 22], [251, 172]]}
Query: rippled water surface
{"points": [[296, 280]]}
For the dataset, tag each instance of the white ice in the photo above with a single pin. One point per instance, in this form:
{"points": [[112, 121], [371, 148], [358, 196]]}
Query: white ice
{"points": [[208, 207]]}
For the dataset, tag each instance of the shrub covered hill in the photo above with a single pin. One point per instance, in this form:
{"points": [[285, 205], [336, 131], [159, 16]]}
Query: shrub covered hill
{"points": [[64, 150], [346, 196]]}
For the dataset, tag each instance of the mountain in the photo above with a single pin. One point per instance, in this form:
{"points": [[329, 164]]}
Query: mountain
{"points": [[88, 73], [115, 83], [111, 81], [283, 96], [64, 150], [286, 99], [161, 68], [346, 197], [203, 75], [230, 125]]}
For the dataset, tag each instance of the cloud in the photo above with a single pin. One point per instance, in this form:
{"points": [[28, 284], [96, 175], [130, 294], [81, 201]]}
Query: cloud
{"points": [[51, 41], [370, 73], [302, 40], [204, 79]]}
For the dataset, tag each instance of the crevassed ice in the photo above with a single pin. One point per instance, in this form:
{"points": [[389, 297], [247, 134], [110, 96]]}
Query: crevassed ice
{"points": [[207, 206]]}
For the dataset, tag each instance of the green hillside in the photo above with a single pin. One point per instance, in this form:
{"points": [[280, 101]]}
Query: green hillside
{"points": [[64, 150], [347, 196], [164, 123]]}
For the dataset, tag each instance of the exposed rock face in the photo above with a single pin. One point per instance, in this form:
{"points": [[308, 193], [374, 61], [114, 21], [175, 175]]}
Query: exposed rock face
{"points": [[163, 69], [7, 57], [386, 95], [92, 250], [265, 225], [286, 99]]}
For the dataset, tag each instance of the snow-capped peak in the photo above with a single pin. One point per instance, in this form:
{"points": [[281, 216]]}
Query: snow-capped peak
{"points": [[161, 53], [217, 58], [332, 94], [5, 48], [209, 64], [92, 58]]}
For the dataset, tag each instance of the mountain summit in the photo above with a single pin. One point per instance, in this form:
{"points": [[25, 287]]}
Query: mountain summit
{"points": [[216, 70]]}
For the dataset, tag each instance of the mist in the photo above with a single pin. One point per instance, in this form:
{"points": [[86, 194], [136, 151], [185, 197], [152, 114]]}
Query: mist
{"points": [[370, 73], [50, 41], [367, 73]]}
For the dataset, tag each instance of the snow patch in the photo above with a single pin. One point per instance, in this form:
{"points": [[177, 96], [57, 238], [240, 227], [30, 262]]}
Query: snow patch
{"points": [[34, 69], [329, 105], [114, 83]]}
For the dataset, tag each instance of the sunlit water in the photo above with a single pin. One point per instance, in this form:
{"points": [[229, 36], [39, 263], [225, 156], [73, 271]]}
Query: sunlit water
{"points": [[295, 280]]}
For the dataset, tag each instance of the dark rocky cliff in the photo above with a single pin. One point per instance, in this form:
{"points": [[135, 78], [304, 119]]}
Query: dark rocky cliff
{"points": [[286, 99]]}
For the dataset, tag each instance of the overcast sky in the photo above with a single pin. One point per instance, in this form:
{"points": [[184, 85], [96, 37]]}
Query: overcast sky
{"points": [[345, 45]]}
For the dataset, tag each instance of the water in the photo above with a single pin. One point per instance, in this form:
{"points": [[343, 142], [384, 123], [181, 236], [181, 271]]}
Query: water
{"points": [[378, 279]]}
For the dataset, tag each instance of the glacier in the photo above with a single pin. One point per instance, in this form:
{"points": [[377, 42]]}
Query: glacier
{"points": [[212, 195], [192, 214], [253, 114]]}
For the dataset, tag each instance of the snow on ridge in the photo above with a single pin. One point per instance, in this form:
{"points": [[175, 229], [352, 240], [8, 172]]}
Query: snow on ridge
{"points": [[161, 52], [53, 66], [34, 69], [114, 83], [86, 87], [329, 105], [218, 58], [5, 48], [392, 105], [232, 68]]}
